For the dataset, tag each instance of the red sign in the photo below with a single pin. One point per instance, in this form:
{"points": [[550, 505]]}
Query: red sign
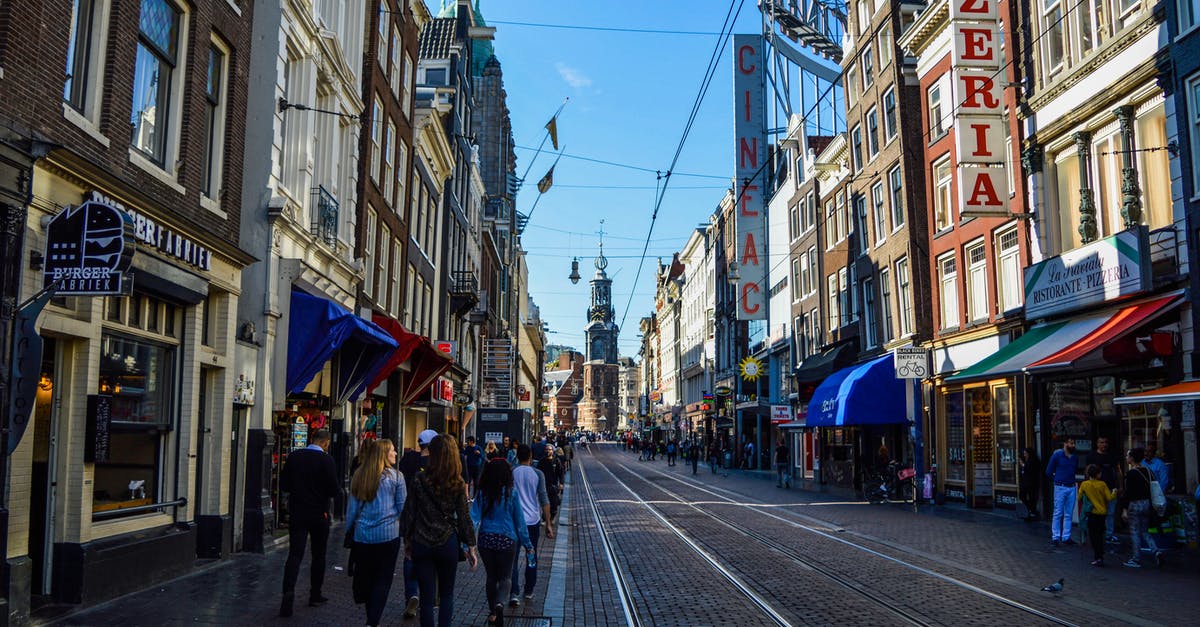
{"points": [[446, 346], [443, 390]]}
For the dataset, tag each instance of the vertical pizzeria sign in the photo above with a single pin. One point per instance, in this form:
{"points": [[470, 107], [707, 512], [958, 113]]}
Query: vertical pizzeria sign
{"points": [[750, 153], [979, 122]]}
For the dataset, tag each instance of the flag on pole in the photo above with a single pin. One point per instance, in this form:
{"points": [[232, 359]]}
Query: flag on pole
{"points": [[548, 180], [552, 127]]}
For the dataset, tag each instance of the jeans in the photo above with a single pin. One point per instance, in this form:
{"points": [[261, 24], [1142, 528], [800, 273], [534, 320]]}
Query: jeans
{"points": [[1108, 520], [1064, 504], [518, 563], [1139, 520], [436, 567], [410, 580], [670, 459], [1095, 529], [498, 566], [300, 532], [374, 569], [784, 477]]}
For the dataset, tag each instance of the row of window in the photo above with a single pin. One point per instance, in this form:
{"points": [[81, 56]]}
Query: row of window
{"points": [[978, 305], [873, 141], [860, 75], [873, 218]]}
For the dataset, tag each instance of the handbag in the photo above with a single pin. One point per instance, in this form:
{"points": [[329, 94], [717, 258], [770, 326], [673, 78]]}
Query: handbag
{"points": [[1158, 500]]}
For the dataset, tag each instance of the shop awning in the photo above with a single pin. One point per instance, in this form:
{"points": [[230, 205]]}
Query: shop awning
{"points": [[795, 424], [1186, 391], [1063, 344], [866, 394], [815, 368], [317, 330], [426, 363]]}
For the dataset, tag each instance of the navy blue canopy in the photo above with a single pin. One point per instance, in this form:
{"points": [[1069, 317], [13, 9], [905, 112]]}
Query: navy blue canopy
{"points": [[866, 394], [317, 330]]}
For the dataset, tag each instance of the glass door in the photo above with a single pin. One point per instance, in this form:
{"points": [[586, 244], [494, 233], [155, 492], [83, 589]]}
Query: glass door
{"points": [[980, 447]]}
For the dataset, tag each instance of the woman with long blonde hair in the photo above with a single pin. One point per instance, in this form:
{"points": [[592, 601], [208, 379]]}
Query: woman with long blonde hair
{"points": [[437, 525], [377, 500]]}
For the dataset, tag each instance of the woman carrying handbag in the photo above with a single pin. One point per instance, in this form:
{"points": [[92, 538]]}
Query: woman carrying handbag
{"points": [[1137, 495], [497, 512], [377, 500]]}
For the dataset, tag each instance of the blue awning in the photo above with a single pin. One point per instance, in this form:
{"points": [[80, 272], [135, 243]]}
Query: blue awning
{"points": [[317, 330], [866, 394]]}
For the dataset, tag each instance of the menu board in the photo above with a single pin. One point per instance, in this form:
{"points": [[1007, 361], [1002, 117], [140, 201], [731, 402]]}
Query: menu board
{"points": [[99, 418]]}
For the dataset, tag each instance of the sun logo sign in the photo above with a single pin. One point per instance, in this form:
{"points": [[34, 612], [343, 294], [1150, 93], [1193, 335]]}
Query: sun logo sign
{"points": [[751, 369]]}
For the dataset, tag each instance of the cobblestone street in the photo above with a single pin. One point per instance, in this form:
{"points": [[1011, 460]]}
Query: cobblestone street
{"points": [[728, 549]]}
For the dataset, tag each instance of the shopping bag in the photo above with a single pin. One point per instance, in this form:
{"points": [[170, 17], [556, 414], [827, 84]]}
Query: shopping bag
{"points": [[1158, 500]]}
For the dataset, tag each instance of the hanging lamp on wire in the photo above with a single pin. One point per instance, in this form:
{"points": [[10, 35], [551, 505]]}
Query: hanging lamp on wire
{"points": [[574, 276]]}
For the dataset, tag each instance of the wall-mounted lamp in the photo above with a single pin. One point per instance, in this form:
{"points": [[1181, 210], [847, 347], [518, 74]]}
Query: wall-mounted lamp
{"points": [[732, 275]]}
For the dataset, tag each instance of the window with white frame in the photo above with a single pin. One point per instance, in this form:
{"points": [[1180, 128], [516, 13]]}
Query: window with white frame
{"points": [[812, 269], [428, 309], [802, 209], [385, 256], [948, 290], [812, 212], [394, 69], [844, 307], [387, 176], [936, 127], [830, 224], [977, 296], [382, 52], [401, 173], [868, 67], [395, 300], [870, 323], [377, 126], [842, 219], [856, 148], [851, 86], [849, 287], [805, 275], [879, 211], [85, 58], [889, 114], [860, 216], [885, 305], [796, 291], [814, 322], [873, 132], [800, 337], [1008, 270], [369, 252], [896, 182], [1193, 93], [864, 17], [1189, 11], [1053, 38], [154, 79], [794, 222], [214, 120], [831, 286], [942, 211], [885, 44], [904, 292], [405, 100], [410, 287]]}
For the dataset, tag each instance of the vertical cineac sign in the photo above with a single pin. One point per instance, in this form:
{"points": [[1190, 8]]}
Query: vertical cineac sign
{"points": [[750, 155], [979, 121]]}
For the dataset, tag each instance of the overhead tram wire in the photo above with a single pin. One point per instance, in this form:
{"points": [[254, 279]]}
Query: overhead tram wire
{"points": [[611, 29], [726, 33]]}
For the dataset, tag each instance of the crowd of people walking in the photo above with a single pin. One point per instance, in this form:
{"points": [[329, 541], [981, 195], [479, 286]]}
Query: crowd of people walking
{"points": [[438, 505]]}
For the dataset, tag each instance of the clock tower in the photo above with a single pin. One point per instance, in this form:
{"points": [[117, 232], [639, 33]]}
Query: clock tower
{"points": [[601, 330]]}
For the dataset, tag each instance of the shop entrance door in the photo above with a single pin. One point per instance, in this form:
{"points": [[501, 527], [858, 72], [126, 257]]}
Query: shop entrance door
{"points": [[980, 447], [43, 488], [235, 469]]}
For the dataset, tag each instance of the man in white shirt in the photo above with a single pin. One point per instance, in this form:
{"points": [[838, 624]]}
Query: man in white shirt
{"points": [[530, 485]]}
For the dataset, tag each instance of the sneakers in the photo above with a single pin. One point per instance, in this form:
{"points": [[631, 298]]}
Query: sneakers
{"points": [[410, 609], [1132, 563], [528, 597], [514, 601], [1158, 555], [1098, 562], [1113, 539], [1069, 542]]}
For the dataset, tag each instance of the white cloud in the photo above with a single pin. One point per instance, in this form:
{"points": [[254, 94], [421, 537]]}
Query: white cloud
{"points": [[572, 76]]}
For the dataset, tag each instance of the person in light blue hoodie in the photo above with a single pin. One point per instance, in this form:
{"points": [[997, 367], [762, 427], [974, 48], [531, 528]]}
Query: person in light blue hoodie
{"points": [[377, 494], [496, 511]]}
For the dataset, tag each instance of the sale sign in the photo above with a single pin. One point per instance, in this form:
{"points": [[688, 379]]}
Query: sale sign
{"points": [[750, 156], [979, 120]]}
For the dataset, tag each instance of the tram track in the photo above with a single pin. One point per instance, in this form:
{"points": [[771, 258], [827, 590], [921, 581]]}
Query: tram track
{"points": [[620, 577], [866, 591]]}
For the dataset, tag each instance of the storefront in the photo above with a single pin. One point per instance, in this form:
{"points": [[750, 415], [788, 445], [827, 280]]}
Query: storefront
{"points": [[115, 484], [862, 416], [409, 375]]}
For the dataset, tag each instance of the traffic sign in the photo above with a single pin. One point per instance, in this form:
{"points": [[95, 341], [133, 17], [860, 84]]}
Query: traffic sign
{"points": [[911, 362]]}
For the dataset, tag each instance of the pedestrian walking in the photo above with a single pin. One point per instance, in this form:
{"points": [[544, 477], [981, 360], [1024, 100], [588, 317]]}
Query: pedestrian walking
{"points": [[411, 464], [1031, 482], [535, 507], [437, 526], [472, 463], [714, 457], [552, 469], [511, 454], [309, 478], [1061, 471], [695, 455], [491, 452], [1110, 473], [672, 451], [783, 472], [377, 495], [1137, 507], [500, 524], [1095, 498]]}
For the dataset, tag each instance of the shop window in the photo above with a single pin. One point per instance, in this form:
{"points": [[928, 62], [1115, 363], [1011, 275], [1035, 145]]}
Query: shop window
{"points": [[982, 434], [956, 436], [154, 68], [1006, 435], [138, 376]]}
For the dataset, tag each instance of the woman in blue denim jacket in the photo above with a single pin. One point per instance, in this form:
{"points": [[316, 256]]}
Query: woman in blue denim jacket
{"points": [[501, 526], [377, 494]]}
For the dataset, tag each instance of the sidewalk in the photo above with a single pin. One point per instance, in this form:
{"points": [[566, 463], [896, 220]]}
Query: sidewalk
{"points": [[245, 590], [992, 548]]}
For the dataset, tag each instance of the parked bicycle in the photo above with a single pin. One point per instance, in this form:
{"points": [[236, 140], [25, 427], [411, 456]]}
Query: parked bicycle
{"points": [[896, 484]]}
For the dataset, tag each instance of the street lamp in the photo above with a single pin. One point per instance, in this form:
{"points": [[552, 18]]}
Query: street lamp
{"points": [[732, 275]]}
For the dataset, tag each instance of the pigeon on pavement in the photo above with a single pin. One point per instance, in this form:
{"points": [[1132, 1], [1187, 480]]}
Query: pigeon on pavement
{"points": [[1055, 587]]}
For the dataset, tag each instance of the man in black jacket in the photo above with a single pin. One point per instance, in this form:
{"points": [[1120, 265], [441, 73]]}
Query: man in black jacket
{"points": [[310, 480]]}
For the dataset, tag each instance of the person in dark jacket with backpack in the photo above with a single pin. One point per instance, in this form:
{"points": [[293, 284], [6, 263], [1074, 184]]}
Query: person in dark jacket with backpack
{"points": [[310, 480]]}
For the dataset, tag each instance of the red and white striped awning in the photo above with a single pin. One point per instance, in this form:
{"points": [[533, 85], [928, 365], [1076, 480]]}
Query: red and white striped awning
{"points": [[1186, 391]]}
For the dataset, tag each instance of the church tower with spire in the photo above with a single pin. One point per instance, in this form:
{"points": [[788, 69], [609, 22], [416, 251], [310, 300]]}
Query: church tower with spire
{"points": [[601, 330], [599, 407]]}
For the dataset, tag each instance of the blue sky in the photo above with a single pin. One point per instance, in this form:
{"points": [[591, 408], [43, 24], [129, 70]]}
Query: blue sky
{"points": [[630, 95]]}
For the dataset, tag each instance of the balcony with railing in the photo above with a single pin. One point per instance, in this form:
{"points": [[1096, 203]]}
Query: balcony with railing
{"points": [[464, 291], [324, 216], [1166, 263]]}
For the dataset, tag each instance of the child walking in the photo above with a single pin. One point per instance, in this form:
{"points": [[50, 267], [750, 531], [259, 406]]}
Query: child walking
{"points": [[1095, 498]]}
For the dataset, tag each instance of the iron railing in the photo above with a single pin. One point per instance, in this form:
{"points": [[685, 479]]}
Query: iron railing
{"points": [[324, 215]]}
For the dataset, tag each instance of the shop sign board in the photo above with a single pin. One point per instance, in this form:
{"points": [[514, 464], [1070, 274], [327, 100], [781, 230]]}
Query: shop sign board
{"points": [[89, 249], [750, 154], [780, 414], [723, 390], [911, 362], [979, 119], [449, 347], [99, 417], [1112, 268], [243, 390]]}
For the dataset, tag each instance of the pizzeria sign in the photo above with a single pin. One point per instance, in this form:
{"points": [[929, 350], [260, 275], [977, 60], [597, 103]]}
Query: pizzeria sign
{"points": [[1115, 267]]}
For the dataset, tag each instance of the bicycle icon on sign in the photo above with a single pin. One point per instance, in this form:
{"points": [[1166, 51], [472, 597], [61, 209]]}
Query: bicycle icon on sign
{"points": [[917, 370]]}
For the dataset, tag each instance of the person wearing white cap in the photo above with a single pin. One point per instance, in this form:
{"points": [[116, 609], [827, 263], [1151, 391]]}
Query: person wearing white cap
{"points": [[412, 463]]}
